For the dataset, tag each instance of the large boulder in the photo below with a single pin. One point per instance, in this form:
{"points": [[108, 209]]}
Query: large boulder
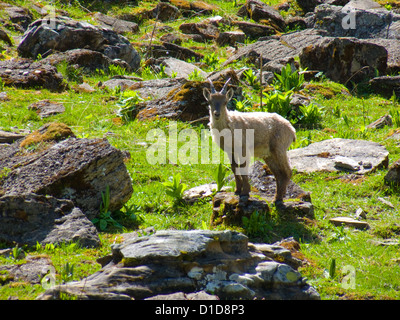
{"points": [[46, 108], [368, 22], [345, 59], [62, 34], [28, 74], [191, 8], [220, 263], [206, 31], [117, 25], [150, 89], [309, 5], [356, 156], [393, 48], [255, 30], [86, 59], [168, 49], [18, 17], [31, 270], [386, 85], [277, 50], [66, 168], [185, 103], [28, 219], [261, 12], [180, 68]]}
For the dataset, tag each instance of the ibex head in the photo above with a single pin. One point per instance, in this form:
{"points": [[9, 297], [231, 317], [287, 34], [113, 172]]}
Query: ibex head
{"points": [[218, 100]]}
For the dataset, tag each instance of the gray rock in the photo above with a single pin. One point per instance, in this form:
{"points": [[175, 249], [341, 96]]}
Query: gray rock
{"points": [[75, 169], [229, 209], [46, 108], [280, 50], [386, 85], [5, 37], [88, 60], [27, 74], [392, 46], [163, 11], [360, 214], [370, 22], [117, 25], [9, 137], [32, 270], [363, 4], [308, 5], [67, 34], [185, 103], [230, 38], [4, 97], [381, 122], [30, 218], [262, 179], [153, 89], [321, 156], [167, 49], [201, 295], [171, 38], [201, 192], [345, 59], [207, 31], [19, 16], [393, 175], [339, 221], [346, 163], [385, 202], [180, 68], [217, 264], [258, 11], [254, 30]]}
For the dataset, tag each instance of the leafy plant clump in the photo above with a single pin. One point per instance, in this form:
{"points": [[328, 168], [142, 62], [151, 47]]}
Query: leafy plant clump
{"points": [[105, 219], [290, 79], [220, 176], [175, 188], [256, 225]]}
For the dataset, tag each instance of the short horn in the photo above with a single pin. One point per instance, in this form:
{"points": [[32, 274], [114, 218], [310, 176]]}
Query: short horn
{"points": [[211, 85], [223, 91]]}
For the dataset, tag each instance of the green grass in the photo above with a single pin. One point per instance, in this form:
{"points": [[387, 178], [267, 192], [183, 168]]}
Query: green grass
{"points": [[94, 115]]}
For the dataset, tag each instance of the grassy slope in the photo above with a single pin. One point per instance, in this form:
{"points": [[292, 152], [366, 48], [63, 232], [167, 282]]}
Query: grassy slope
{"points": [[93, 115]]}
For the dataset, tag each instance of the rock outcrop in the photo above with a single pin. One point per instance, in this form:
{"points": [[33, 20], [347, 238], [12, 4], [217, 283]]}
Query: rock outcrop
{"points": [[345, 59], [221, 263], [370, 22], [74, 169], [28, 74], [61, 34], [356, 156], [28, 219], [185, 103], [86, 59]]}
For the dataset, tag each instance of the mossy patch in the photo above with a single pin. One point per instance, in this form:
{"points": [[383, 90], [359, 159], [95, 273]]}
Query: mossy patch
{"points": [[51, 132], [327, 90]]}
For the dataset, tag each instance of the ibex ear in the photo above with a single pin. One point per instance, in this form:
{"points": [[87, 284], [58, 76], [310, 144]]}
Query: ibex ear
{"points": [[207, 94], [229, 94]]}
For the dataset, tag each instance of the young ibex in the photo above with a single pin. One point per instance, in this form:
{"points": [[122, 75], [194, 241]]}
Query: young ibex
{"points": [[272, 137]]}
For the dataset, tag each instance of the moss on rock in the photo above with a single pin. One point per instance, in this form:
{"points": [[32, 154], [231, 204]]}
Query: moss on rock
{"points": [[54, 131]]}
